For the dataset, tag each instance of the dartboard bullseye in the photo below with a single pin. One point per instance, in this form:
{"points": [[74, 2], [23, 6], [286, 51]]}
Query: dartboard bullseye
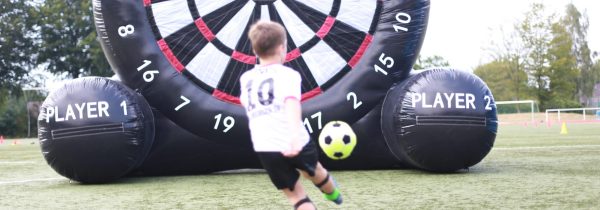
{"points": [[186, 56]]}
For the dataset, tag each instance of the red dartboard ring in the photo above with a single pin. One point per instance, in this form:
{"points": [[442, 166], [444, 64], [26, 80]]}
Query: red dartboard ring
{"points": [[186, 56]]}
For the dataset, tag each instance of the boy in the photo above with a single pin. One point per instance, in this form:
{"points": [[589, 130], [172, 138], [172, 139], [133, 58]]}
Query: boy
{"points": [[270, 93]]}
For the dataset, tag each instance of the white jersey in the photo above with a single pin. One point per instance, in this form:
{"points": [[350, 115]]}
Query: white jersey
{"points": [[264, 90]]}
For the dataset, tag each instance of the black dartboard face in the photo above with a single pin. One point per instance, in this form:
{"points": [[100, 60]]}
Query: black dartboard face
{"points": [[207, 40], [186, 56]]}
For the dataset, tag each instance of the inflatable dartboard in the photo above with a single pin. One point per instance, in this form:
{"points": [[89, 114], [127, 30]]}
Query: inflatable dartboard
{"points": [[186, 56]]}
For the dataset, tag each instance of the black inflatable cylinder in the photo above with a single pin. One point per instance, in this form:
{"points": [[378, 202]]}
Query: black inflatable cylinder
{"points": [[95, 130], [440, 120], [176, 151]]}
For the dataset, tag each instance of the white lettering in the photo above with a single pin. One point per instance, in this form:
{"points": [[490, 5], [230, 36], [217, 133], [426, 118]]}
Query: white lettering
{"points": [[70, 112], [449, 99], [91, 110], [94, 110], [56, 117], [460, 100], [80, 109], [470, 101], [424, 101], [445, 101], [415, 98], [438, 100], [49, 112], [103, 108]]}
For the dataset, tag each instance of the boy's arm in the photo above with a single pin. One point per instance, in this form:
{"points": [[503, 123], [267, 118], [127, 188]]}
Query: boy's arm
{"points": [[293, 112]]}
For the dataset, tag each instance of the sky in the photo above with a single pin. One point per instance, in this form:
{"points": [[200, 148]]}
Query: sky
{"points": [[461, 30]]}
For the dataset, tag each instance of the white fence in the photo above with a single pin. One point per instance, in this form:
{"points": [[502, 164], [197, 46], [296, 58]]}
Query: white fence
{"points": [[583, 110]]}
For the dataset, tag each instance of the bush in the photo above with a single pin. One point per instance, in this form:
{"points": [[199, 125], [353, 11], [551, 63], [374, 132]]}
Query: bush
{"points": [[13, 117], [558, 103]]}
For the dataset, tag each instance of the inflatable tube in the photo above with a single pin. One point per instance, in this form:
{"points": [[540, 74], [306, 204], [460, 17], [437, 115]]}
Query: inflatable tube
{"points": [[95, 130], [440, 120], [179, 152], [186, 56]]}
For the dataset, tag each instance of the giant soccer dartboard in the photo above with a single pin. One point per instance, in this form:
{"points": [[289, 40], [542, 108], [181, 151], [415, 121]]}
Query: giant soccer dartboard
{"points": [[186, 56]]}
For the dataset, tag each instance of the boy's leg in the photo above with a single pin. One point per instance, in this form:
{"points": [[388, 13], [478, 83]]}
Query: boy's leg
{"points": [[325, 183], [319, 179], [286, 178], [298, 197], [308, 164]]}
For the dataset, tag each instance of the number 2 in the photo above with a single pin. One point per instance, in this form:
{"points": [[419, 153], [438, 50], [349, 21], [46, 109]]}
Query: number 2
{"points": [[488, 101], [352, 96]]}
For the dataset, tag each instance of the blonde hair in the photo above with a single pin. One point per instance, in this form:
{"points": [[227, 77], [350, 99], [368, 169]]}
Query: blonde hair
{"points": [[265, 37]]}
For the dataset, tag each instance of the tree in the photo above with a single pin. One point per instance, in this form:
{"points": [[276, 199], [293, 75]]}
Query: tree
{"points": [[501, 80], [596, 70], [536, 33], [430, 62], [562, 72], [552, 52], [69, 39], [16, 43], [577, 25], [511, 53]]}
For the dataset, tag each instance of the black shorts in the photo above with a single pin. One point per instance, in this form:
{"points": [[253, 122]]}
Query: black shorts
{"points": [[282, 170]]}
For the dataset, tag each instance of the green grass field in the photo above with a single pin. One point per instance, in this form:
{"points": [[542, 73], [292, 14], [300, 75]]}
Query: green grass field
{"points": [[529, 167]]}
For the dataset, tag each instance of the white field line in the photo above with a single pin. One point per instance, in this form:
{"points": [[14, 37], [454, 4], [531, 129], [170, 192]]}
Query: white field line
{"points": [[550, 147], [29, 180]]}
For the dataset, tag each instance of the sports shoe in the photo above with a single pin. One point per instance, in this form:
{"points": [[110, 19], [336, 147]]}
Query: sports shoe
{"points": [[335, 196], [338, 200]]}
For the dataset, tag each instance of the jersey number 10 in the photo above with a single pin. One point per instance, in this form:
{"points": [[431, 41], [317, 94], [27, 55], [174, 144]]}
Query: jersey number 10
{"points": [[264, 93]]}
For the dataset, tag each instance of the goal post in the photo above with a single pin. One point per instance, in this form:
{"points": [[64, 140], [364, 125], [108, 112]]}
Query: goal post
{"points": [[34, 97], [530, 102]]}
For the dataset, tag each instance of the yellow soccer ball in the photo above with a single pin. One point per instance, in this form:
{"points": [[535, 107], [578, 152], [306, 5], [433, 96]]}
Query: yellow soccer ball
{"points": [[337, 140]]}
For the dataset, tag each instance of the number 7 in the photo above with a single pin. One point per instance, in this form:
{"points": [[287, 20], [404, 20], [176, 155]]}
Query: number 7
{"points": [[186, 101]]}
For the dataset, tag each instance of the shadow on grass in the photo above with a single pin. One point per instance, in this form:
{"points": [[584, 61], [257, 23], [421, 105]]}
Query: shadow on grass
{"points": [[477, 169]]}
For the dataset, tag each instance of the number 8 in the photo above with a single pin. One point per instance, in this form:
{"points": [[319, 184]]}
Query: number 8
{"points": [[126, 30]]}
